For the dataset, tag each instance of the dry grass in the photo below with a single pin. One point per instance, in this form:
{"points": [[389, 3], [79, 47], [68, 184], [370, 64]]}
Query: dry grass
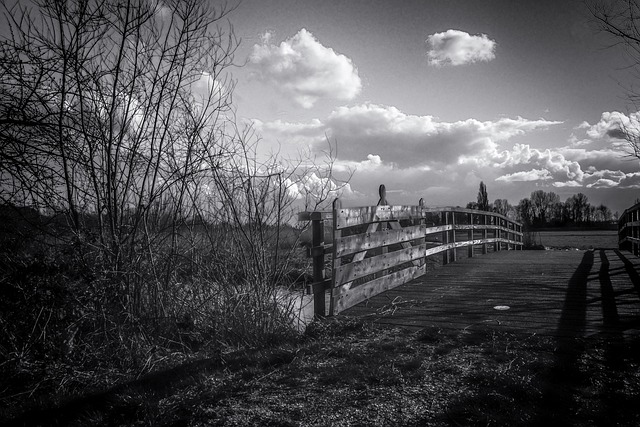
{"points": [[346, 373]]}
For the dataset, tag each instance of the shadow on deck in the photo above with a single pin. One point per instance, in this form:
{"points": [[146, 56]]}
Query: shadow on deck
{"points": [[583, 306], [558, 293]]}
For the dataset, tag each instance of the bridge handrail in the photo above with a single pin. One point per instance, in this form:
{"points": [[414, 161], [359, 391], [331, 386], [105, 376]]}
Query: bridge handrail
{"points": [[376, 248], [629, 229]]}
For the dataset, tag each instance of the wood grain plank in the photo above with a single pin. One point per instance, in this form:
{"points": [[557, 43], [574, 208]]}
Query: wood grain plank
{"points": [[370, 240], [347, 297], [556, 293], [357, 269], [349, 217]]}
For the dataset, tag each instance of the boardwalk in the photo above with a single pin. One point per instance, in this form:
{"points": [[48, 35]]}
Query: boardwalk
{"points": [[560, 293]]}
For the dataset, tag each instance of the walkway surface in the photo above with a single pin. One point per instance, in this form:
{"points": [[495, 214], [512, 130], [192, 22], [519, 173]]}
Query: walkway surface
{"points": [[562, 293]]}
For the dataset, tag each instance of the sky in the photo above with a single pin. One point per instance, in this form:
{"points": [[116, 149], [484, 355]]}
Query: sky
{"points": [[432, 97]]}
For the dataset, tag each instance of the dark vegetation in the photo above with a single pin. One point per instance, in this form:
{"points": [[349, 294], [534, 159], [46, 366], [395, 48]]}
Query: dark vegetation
{"points": [[545, 210], [346, 372], [139, 226]]}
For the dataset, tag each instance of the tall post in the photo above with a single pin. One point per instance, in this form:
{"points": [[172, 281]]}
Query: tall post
{"points": [[496, 233], [317, 243], [382, 201], [454, 255], [422, 221], [470, 234], [333, 300], [485, 234], [445, 237]]}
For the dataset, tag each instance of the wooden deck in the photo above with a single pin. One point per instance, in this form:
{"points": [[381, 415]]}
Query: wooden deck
{"points": [[559, 293]]}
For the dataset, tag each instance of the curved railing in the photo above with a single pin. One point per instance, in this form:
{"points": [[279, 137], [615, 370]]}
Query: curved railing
{"points": [[629, 230], [372, 249]]}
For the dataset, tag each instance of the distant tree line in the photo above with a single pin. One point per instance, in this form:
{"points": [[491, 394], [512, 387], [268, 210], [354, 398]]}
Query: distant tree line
{"points": [[544, 209]]}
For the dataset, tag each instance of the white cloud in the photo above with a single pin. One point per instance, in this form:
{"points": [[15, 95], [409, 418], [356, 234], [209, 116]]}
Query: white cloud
{"points": [[454, 47], [288, 129], [306, 70], [416, 155], [410, 139], [613, 126], [316, 188], [209, 90], [532, 175], [561, 184], [552, 161]]}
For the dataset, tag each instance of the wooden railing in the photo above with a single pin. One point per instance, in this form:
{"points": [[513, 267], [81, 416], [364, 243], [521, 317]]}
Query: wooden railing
{"points": [[629, 230], [376, 248]]}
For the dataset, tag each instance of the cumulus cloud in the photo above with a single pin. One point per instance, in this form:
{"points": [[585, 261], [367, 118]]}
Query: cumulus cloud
{"points": [[301, 67], [531, 175], [411, 139], [421, 155], [314, 187], [209, 90], [549, 160], [454, 47], [613, 126]]}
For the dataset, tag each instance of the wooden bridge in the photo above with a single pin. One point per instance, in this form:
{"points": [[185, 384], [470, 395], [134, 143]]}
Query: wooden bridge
{"points": [[379, 263]]}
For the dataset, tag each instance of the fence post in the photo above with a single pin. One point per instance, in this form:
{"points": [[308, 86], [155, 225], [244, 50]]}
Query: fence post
{"points": [[317, 241], [470, 235], [496, 233], [335, 260], [445, 237], [634, 232], [422, 221], [454, 255], [485, 234]]}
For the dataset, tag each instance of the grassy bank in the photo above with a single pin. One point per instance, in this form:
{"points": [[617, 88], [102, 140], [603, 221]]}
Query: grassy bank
{"points": [[574, 239], [345, 372]]}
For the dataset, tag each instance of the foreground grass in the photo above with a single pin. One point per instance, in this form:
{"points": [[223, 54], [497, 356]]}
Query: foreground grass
{"points": [[347, 373]]}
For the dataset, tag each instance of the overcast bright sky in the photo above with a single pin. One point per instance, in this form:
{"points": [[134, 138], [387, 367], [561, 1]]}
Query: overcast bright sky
{"points": [[431, 97]]}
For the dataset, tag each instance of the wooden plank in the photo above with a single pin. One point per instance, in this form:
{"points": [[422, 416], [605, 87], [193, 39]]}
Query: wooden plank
{"points": [[559, 293], [464, 210], [316, 215], [336, 260], [319, 287], [349, 217], [406, 245], [445, 238], [357, 269], [454, 245], [359, 242], [486, 227], [317, 240], [337, 273], [319, 250], [470, 235], [454, 256], [438, 229], [347, 297]]}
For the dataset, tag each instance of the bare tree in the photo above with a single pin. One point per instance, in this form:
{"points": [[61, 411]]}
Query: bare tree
{"points": [[542, 204], [118, 115], [621, 21]]}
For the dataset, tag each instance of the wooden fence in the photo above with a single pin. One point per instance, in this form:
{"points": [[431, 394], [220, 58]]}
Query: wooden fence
{"points": [[629, 229], [376, 248]]}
